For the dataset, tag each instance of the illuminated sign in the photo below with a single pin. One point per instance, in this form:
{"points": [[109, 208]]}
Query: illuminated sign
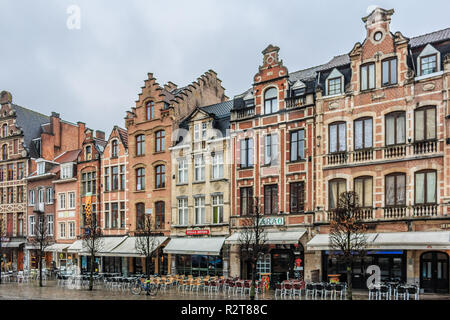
{"points": [[197, 232]]}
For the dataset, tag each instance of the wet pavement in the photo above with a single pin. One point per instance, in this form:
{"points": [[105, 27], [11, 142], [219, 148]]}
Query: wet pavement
{"points": [[31, 291]]}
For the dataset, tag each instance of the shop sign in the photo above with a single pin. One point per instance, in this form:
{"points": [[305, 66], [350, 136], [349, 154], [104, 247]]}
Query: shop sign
{"points": [[197, 232], [278, 221]]}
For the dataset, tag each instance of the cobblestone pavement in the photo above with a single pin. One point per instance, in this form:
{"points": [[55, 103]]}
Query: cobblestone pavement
{"points": [[31, 291]]}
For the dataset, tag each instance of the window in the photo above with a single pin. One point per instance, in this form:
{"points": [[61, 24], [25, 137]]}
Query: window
{"points": [[389, 72], [16, 146], [368, 76], [114, 215], [140, 145], [271, 199], [204, 127], [122, 215], [160, 139], [49, 195], [297, 145], [66, 171], [246, 201], [107, 188], [41, 168], [5, 130], [297, 197], [159, 215], [71, 200], [183, 211], [425, 124], [217, 208], [160, 176], [10, 171], [20, 225], [62, 230], [140, 216], [363, 133], [19, 194], [50, 225], [89, 182], [32, 230], [150, 110], [2, 173], [107, 216], [62, 200], [122, 177], [428, 64], [338, 139], [335, 188], [41, 194], [425, 187], [196, 132], [363, 188], [182, 171], [199, 168], [334, 86], [5, 152], [270, 149], [1, 196], [88, 153], [10, 194], [114, 149], [395, 128], [217, 165], [270, 101], [31, 199], [247, 153], [71, 230], [140, 179], [395, 192], [114, 178], [199, 208]]}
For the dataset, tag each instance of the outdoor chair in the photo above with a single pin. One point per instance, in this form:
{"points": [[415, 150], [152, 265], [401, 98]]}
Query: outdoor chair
{"points": [[413, 291], [341, 289], [297, 289], [286, 289], [309, 289], [318, 288], [328, 289], [401, 291], [373, 293], [384, 291]]}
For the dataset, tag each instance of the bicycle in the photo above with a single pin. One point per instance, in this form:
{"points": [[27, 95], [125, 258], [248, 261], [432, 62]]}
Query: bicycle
{"points": [[143, 284]]}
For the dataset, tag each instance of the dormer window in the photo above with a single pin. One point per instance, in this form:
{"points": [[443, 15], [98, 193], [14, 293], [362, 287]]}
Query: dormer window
{"points": [[66, 171], [334, 83], [204, 127], [88, 153], [368, 76], [428, 64], [150, 110], [270, 101], [334, 86], [298, 92], [249, 103], [114, 149], [41, 167]]}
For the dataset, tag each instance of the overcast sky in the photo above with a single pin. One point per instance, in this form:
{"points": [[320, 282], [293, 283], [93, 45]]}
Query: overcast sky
{"points": [[94, 74]]}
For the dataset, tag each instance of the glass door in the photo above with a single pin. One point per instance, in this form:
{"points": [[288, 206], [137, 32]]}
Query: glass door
{"points": [[434, 272]]}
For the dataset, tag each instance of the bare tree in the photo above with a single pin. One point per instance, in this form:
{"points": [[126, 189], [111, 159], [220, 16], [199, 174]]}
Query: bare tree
{"points": [[92, 240], [253, 241], [347, 233], [42, 238], [146, 241]]}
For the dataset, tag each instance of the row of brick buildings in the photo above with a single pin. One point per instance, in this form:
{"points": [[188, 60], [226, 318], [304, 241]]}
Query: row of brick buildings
{"points": [[373, 121]]}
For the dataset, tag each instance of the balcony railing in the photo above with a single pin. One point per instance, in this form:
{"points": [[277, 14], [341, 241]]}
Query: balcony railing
{"points": [[363, 214], [425, 210], [395, 212], [395, 151], [245, 113], [295, 102], [361, 155], [337, 158], [423, 147]]}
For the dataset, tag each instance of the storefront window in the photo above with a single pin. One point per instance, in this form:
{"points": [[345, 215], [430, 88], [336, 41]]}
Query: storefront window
{"points": [[199, 265]]}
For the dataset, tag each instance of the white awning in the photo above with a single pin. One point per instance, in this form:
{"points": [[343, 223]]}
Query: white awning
{"points": [[128, 247], [108, 244], [76, 246], [207, 246], [12, 244], [57, 247], [273, 237], [393, 240]]}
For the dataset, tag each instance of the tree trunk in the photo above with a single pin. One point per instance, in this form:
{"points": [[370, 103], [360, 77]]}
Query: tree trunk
{"points": [[252, 287], [40, 268], [91, 276], [349, 281], [147, 266]]}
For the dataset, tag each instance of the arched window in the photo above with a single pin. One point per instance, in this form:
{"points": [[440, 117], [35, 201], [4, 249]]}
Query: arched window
{"points": [[5, 130], [425, 187], [140, 216], [270, 101], [140, 179], [150, 110], [395, 189], [335, 188], [160, 140], [159, 215], [5, 152], [88, 153], [140, 145], [363, 188], [160, 176], [114, 149]]}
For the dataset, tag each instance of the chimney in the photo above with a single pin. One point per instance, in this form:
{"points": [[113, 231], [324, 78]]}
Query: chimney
{"points": [[55, 124], [100, 134], [5, 97], [81, 133]]}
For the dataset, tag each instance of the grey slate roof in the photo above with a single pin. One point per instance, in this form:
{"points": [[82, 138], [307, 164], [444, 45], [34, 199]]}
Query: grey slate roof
{"points": [[432, 37], [31, 123], [220, 110]]}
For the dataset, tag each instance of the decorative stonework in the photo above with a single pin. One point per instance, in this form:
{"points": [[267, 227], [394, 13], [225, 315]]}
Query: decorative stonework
{"points": [[428, 86]]}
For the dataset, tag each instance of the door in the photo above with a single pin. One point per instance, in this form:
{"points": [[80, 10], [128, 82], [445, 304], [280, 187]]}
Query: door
{"points": [[434, 272], [20, 260], [282, 265]]}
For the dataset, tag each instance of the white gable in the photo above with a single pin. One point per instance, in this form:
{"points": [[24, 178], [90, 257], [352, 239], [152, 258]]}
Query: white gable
{"points": [[298, 85], [334, 74], [429, 50]]}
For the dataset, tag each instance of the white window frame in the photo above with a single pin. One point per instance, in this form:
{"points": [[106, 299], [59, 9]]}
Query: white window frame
{"points": [[335, 73], [62, 230], [183, 214], [182, 170], [204, 128], [196, 132], [217, 202], [71, 225], [50, 224], [40, 167], [72, 200], [62, 201], [32, 225], [49, 195], [41, 195], [217, 166], [32, 197], [66, 171], [199, 210], [427, 51], [199, 168]]}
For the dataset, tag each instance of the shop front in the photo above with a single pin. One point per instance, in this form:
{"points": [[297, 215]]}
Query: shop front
{"points": [[196, 256], [283, 259], [12, 250]]}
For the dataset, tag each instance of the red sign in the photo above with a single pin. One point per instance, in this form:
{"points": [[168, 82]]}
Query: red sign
{"points": [[197, 232]]}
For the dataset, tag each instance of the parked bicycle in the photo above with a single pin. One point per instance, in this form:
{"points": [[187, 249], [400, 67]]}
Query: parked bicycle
{"points": [[143, 284]]}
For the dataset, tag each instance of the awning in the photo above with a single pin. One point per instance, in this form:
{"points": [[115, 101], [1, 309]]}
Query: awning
{"points": [[75, 247], [272, 237], [207, 246], [108, 244], [128, 247], [57, 247], [12, 244], [393, 240]]}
